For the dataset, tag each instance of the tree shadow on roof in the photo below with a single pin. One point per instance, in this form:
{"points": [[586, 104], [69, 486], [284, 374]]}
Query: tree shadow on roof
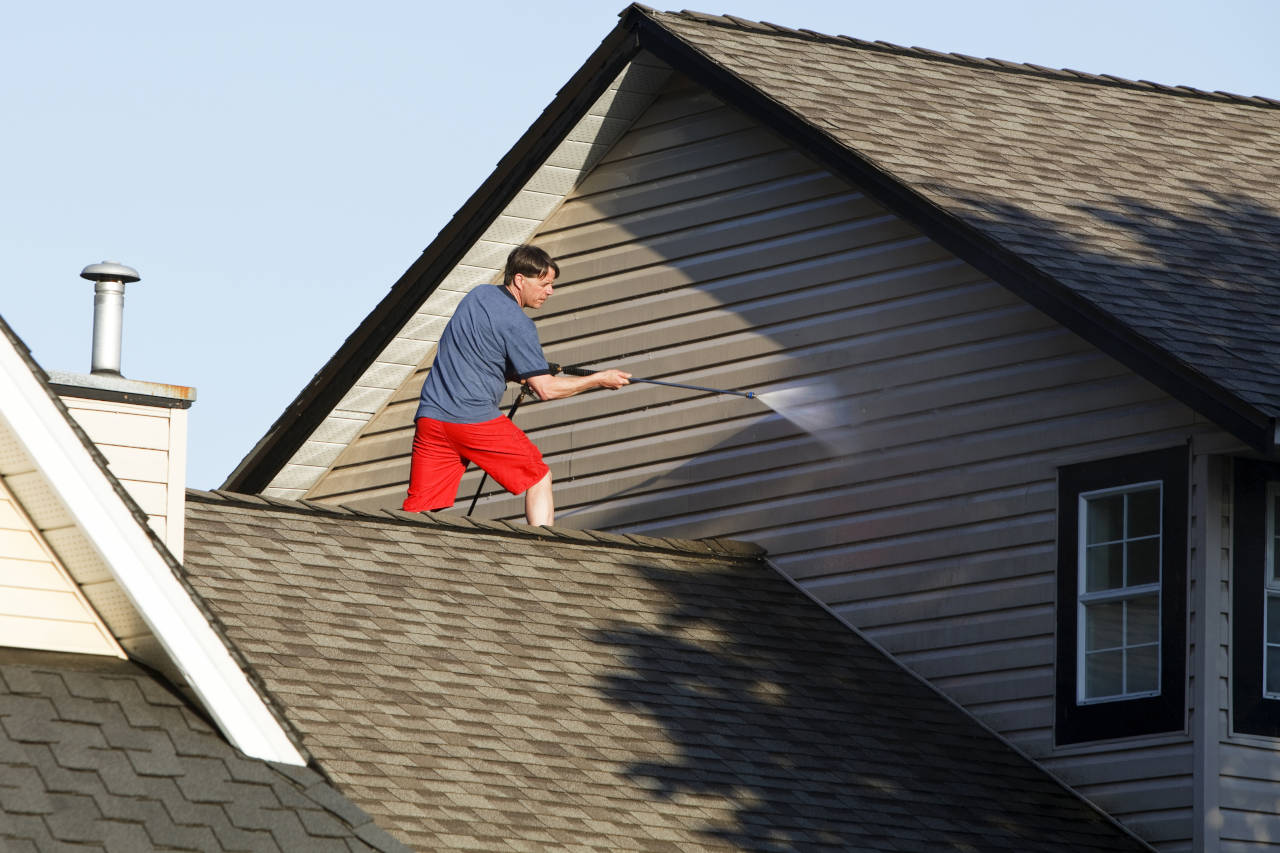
{"points": [[792, 733], [1195, 277]]}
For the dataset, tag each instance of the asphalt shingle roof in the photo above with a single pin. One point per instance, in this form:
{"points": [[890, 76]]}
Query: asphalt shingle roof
{"points": [[497, 687], [1159, 205], [95, 754]]}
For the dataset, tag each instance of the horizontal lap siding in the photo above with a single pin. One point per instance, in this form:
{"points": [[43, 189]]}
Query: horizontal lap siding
{"points": [[605, 120], [702, 250], [40, 605], [1146, 786], [145, 448], [1249, 795]]}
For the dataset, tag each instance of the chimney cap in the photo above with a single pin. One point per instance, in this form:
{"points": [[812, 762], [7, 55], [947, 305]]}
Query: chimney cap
{"points": [[110, 271]]}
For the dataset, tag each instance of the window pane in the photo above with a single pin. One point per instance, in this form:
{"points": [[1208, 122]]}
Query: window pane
{"points": [[1273, 619], [1144, 513], [1104, 567], [1273, 670], [1103, 674], [1121, 637], [1274, 568], [1104, 626], [1105, 519], [1144, 669], [1143, 624], [1144, 562]]}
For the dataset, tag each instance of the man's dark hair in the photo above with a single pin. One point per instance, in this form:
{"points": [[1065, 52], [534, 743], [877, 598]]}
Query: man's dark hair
{"points": [[529, 261]]}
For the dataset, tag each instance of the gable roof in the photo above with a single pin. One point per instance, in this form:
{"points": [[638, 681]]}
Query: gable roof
{"points": [[1145, 218], [126, 573], [484, 685], [98, 755]]}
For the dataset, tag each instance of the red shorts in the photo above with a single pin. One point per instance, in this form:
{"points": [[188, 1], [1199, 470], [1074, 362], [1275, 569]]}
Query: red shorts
{"points": [[441, 451]]}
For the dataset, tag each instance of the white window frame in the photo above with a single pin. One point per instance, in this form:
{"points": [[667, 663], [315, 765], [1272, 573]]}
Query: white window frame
{"points": [[1084, 598], [1271, 586]]}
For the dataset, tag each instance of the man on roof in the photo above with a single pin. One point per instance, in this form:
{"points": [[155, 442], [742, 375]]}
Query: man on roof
{"points": [[488, 342]]}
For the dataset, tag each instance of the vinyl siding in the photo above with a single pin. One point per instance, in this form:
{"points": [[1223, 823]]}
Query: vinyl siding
{"points": [[605, 121], [145, 448], [703, 250], [1250, 788], [40, 605]]}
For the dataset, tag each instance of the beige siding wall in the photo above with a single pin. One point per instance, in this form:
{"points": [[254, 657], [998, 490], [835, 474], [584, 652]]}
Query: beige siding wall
{"points": [[1250, 791], [901, 460], [40, 606], [145, 448]]}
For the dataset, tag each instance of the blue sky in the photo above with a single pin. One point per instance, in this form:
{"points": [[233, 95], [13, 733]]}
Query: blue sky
{"points": [[271, 168]]}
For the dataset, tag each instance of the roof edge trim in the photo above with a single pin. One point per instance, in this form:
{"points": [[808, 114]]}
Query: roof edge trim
{"points": [[1003, 266], [358, 351]]}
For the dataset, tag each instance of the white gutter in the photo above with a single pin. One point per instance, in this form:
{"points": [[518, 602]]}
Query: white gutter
{"points": [[136, 562]]}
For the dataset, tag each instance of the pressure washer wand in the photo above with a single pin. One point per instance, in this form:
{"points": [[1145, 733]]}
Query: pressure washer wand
{"points": [[584, 371]]}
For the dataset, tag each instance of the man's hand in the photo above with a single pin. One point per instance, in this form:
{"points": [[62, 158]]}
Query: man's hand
{"points": [[612, 379], [549, 387]]}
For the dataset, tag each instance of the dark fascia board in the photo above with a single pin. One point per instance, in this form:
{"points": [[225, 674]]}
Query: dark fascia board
{"points": [[1003, 266], [107, 395], [377, 330]]}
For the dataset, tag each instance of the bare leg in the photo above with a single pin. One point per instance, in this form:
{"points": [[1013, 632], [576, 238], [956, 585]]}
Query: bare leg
{"points": [[539, 505]]}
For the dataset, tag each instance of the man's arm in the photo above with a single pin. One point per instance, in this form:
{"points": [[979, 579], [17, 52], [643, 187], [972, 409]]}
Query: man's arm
{"points": [[549, 387]]}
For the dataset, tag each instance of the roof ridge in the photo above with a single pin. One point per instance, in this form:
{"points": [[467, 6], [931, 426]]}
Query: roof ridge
{"points": [[745, 24], [709, 547]]}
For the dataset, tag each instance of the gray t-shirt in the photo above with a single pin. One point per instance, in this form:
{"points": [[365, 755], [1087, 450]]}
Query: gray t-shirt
{"points": [[488, 341]]}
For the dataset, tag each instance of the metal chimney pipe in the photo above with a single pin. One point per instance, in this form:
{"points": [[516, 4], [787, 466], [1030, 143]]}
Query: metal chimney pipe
{"points": [[109, 279]]}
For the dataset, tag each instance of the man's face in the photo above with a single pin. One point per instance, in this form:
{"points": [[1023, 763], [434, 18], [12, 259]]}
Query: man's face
{"points": [[535, 291]]}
